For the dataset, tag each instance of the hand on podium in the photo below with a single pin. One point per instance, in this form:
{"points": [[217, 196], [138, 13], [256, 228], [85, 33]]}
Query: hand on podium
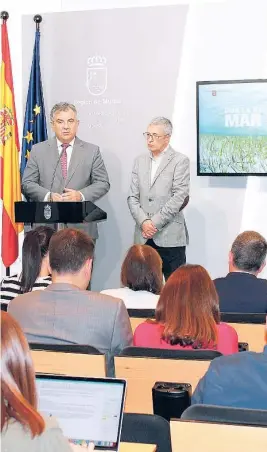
{"points": [[56, 197], [71, 195]]}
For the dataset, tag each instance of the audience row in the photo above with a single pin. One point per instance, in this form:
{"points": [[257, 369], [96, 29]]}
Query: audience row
{"points": [[187, 313], [141, 274]]}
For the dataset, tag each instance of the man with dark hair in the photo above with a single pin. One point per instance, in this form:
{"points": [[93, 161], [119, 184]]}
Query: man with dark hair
{"points": [[69, 251], [241, 290], [66, 313], [237, 380]]}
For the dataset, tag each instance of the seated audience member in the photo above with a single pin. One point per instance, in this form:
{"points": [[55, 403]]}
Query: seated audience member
{"points": [[141, 277], [238, 381], [241, 290], [35, 268], [67, 313], [188, 316], [22, 427]]}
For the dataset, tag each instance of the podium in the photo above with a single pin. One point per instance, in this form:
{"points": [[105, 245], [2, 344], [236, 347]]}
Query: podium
{"points": [[58, 212]]}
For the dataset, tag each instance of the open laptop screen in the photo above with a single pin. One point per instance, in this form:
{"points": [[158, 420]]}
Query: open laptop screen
{"points": [[87, 409]]}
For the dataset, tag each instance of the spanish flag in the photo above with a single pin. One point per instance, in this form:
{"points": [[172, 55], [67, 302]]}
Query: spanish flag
{"points": [[9, 157]]}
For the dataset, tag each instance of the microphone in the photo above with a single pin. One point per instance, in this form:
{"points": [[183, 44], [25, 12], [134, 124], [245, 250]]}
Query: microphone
{"points": [[54, 174]]}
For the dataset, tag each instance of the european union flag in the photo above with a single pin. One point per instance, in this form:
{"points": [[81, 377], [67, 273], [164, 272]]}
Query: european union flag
{"points": [[34, 129]]}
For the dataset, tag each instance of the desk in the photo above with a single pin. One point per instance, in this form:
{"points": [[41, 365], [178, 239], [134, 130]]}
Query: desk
{"points": [[141, 373], [125, 447], [207, 437], [134, 447]]}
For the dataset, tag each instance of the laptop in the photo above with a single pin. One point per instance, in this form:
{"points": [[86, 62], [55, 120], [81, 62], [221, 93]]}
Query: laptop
{"points": [[88, 410]]}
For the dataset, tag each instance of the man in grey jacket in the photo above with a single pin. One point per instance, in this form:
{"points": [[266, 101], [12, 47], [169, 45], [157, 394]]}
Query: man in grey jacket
{"points": [[66, 168], [65, 312], [159, 192]]}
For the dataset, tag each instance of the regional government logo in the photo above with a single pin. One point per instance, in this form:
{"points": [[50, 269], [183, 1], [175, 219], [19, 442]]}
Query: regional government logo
{"points": [[47, 212], [96, 75], [6, 124]]}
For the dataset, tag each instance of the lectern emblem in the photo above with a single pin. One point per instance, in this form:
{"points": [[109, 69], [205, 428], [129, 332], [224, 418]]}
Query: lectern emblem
{"points": [[47, 212]]}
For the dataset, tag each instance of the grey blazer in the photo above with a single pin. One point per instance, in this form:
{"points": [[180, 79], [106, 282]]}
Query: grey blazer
{"points": [[86, 173], [162, 200], [64, 314]]}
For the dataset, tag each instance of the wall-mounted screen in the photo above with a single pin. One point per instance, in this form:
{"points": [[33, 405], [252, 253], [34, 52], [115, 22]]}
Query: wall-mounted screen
{"points": [[232, 128]]}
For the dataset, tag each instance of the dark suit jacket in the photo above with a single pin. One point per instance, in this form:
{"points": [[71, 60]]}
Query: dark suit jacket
{"points": [[242, 292], [86, 173], [64, 314], [237, 380]]}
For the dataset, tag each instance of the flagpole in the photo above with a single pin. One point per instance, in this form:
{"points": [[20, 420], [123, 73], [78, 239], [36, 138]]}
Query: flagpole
{"points": [[4, 16], [37, 19], [10, 188]]}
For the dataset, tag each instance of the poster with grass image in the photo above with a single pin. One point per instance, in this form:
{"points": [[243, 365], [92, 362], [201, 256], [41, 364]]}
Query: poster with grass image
{"points": [[232, 127]]}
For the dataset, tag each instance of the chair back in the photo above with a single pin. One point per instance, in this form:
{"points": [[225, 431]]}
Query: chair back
{"points": [[164, 353], [143, 367], [138, 316], [226, 415], [240, 317], [250, 328], [146, 429], [142, 313], [70, 359], [209, 437], [66, 348]]}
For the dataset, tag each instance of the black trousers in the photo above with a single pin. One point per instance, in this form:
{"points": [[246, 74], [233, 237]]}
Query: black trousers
{"points": [[172, 257]]}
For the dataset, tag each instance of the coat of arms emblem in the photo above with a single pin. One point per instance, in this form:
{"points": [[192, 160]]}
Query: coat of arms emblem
{"points": [[96, 76], [6, 124], [47, 212]]}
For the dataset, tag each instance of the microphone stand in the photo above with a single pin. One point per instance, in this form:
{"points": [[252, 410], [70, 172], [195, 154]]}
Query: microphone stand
{"points": [[57, 226], [54, 175]]}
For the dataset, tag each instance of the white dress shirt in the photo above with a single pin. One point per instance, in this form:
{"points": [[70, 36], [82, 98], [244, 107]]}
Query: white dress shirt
{"points": [[134, 299], [155, 162], [68, 150], [69, 154]]}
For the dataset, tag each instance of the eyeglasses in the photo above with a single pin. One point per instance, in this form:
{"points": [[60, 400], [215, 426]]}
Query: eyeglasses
{"points": [[153, 136]]}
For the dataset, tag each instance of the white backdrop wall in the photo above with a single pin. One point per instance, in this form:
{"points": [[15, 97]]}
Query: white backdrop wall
{"points": [[121, 50], [223, 40]]}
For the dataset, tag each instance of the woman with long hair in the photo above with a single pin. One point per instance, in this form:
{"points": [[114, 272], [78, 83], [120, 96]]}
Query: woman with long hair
{"points": [[141, 278], [187, 316], [35, 266], [22, 427]]}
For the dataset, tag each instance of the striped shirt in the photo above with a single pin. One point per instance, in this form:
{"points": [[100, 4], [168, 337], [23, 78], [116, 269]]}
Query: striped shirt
{"points": [[10, 287]]}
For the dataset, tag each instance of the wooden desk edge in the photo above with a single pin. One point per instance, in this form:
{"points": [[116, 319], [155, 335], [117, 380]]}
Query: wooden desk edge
{"points": [[137, 447]]}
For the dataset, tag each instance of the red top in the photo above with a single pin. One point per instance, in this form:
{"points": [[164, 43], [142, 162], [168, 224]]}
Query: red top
{"points": [[149, 335]]}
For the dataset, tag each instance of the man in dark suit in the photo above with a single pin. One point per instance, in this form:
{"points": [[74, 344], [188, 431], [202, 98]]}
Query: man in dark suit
{"points": [[237, 380], [78, 175], [66, 313], [241, 290]]}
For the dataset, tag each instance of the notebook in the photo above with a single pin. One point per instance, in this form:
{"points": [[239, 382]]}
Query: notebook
{"points": [[87, 409]]}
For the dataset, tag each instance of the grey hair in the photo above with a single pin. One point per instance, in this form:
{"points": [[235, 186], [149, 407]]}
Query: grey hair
{"points": [[62, 106], [249, 251], [165, 122]]}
